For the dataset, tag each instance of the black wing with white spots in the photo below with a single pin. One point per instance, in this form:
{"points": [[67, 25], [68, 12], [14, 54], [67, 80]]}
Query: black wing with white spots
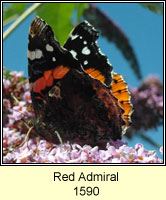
{"points": [[82, 43], [45, 52]]}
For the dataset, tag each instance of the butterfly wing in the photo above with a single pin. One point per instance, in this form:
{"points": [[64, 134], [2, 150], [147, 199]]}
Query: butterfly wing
{"points": [[48, 62], [82, 43]]}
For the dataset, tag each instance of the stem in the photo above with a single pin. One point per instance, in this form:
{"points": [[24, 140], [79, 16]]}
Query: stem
{"points": [[20, 20], [150, 141]]}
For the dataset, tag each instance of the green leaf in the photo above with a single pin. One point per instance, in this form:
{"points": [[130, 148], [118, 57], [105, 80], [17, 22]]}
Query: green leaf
{"points": [[6, 73], [12, 10], [19, 7], [80, 7], [154, 7], [59, 17]]}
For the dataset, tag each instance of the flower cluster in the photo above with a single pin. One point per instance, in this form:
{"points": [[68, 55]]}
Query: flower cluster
{"points": [[40, 151], [147, 101], [17, 106]]}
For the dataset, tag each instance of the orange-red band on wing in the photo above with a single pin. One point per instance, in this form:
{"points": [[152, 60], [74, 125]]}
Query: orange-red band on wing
{"points": [[39, 85], [95, 74], [48, 77], [120, 91], [60, 71]]}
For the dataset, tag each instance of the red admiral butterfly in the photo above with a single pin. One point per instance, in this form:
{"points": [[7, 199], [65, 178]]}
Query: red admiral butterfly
{"points": [[74, 89]]}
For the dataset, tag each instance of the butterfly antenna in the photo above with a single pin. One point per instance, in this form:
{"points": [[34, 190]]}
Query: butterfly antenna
{"points": [[59, 138]]}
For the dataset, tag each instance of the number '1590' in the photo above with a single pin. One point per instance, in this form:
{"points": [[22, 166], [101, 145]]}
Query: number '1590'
{"points": [[82, 191]]}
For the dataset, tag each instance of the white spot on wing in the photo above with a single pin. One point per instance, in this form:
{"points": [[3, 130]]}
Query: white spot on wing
{"points": [[73, 37], [49, 47], [85, 62], [53, 59], [73, 53], [100, 52], [108, 62], [38, 53], [85, 51], [85, 42], [31, 55]]}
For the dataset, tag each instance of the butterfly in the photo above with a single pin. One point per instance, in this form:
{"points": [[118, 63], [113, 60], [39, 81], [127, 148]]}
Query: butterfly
{"points": [[73, 87]]}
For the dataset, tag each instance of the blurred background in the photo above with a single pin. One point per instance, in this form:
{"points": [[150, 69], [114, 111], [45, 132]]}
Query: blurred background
{"points": [[131, 35]]}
